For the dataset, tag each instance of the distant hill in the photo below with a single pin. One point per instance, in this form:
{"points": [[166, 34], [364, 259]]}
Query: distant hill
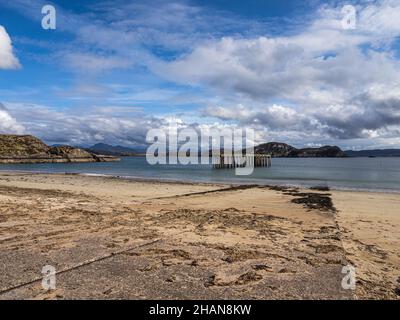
{"points": [[106, 149], [29, 149], [374, 153], [279, 149], [276, 149]]}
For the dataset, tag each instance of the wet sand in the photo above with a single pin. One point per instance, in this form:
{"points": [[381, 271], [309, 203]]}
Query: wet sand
{"points": [[111, 238]]}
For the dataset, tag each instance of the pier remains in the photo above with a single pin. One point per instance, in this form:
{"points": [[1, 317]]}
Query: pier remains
{"points": [[237, 161]]}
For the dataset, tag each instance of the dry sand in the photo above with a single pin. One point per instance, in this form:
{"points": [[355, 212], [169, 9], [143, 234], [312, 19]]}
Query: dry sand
{"points": [[120, 239]]}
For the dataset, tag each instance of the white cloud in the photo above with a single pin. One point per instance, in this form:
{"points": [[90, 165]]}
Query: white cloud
{"points": [[8, 125], [323, 57], [316, 84], [336, 83], [93, 63], [7, 58], [83, 126]]}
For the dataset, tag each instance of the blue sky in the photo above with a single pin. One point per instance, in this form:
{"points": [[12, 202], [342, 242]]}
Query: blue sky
{"points": [[113, 69], [43, 79]]}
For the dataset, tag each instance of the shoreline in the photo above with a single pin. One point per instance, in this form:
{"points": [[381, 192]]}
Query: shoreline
{"points": [[270, 182]]}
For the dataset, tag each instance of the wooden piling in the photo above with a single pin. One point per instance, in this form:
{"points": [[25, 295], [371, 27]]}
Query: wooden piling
{"points": [[236, 161]]}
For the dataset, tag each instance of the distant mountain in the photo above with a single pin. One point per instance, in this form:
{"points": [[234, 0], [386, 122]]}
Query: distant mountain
{"points": [[373, 153], [278, 149], [29, 149], [106, 149]]}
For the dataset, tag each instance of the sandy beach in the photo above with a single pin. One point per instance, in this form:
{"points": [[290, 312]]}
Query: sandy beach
{"points": [[112, 238]]}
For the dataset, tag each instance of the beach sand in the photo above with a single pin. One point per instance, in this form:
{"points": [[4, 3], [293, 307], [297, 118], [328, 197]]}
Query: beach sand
{"points": [[112, 238]]}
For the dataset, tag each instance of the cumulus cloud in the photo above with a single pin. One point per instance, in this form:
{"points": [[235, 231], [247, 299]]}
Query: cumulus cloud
{"points": [[115, 126], [273, 117], [323, 57], [316, 84], [83, 126], [8, 125], [327, 75], [7, 58], [363, 117]]}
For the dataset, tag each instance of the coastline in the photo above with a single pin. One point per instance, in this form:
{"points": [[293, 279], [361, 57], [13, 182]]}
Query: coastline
{"points": [[55, 159], [178, 240], [268, 182]]}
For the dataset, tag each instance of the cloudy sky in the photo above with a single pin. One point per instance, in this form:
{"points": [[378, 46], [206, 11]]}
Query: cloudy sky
{"points": [[288, 69]]}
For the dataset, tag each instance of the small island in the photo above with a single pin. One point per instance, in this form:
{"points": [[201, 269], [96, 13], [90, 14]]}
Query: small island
{"points": [[29, 149]]}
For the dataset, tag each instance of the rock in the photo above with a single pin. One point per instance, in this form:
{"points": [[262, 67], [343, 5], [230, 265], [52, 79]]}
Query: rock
{"points": [[29, 149], [261, 267], [194, 263], [70, 152], [278, 149], [247, 277], [323, 152], [22, 146]]}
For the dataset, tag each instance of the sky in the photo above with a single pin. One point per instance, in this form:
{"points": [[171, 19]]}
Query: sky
{"points": [[290, 70]]}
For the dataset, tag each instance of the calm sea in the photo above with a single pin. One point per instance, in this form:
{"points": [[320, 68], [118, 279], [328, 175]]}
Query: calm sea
{"points": [[378, 174]]}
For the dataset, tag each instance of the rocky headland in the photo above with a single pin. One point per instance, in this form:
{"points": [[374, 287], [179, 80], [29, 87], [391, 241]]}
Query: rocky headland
{"points": [[279, 149], [29, 149]]}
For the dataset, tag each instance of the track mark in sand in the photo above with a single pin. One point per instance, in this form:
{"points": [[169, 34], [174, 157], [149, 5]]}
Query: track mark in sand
{"points": [[232, 188]]}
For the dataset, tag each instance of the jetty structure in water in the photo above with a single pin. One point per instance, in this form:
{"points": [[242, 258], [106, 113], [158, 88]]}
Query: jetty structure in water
{"points": [[237, 161]]}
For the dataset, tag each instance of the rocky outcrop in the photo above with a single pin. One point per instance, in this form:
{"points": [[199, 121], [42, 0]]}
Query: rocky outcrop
{"points": [[14, 146], [278, 149], [29, 149]]}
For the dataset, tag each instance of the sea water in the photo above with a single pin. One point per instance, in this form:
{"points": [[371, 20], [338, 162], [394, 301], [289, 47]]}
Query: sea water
{"points": [[375, 174]]}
